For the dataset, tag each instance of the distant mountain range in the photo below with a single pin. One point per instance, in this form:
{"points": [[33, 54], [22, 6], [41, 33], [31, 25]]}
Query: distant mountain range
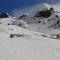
{"points": [[44, 15]]}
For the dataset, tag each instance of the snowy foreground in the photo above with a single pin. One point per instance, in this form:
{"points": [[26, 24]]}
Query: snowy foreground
{"points": [[30, 46]]}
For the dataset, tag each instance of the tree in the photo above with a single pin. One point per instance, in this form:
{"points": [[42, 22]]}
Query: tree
{"points": [[3, 15]]}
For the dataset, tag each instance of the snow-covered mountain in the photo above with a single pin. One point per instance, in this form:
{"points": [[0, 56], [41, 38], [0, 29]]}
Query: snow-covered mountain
{"points": [[40, 18], [43, 18], [19, 42], [45, 14]]}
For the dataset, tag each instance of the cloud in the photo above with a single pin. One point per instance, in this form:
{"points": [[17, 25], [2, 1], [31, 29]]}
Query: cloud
{"points": [[19, 12], [56, 6]]}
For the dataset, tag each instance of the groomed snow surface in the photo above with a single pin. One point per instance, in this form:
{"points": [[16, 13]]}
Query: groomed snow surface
{"points": [[30, 46]]}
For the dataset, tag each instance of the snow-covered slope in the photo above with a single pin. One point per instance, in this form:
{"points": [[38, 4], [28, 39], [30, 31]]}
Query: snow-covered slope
{"points": [[30, 46], [6, 21], [45, 14], [13, 21], [33, 42], [43, 18]]}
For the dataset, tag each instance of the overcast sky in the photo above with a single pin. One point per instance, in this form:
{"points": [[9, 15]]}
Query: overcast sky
{"points": [[10, 5]]}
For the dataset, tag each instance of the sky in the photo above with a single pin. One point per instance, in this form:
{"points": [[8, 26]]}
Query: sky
{"points": [[10, 5]]}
